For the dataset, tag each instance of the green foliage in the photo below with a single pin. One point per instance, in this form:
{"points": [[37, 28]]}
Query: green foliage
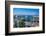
{"points": [[21, 23]]}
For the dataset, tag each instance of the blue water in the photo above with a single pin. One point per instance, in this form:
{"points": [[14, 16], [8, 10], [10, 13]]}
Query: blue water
{"points": [[25, 11]]}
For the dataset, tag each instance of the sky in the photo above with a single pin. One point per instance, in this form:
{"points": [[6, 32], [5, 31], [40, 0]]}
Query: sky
{"points": [[25, 11]]}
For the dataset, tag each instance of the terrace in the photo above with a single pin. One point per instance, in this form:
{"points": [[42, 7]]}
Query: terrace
{"points": [[28, 21]]}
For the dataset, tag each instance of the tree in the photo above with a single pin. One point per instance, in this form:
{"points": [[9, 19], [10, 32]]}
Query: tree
{"points": [[15, 21], [21, 23]]}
